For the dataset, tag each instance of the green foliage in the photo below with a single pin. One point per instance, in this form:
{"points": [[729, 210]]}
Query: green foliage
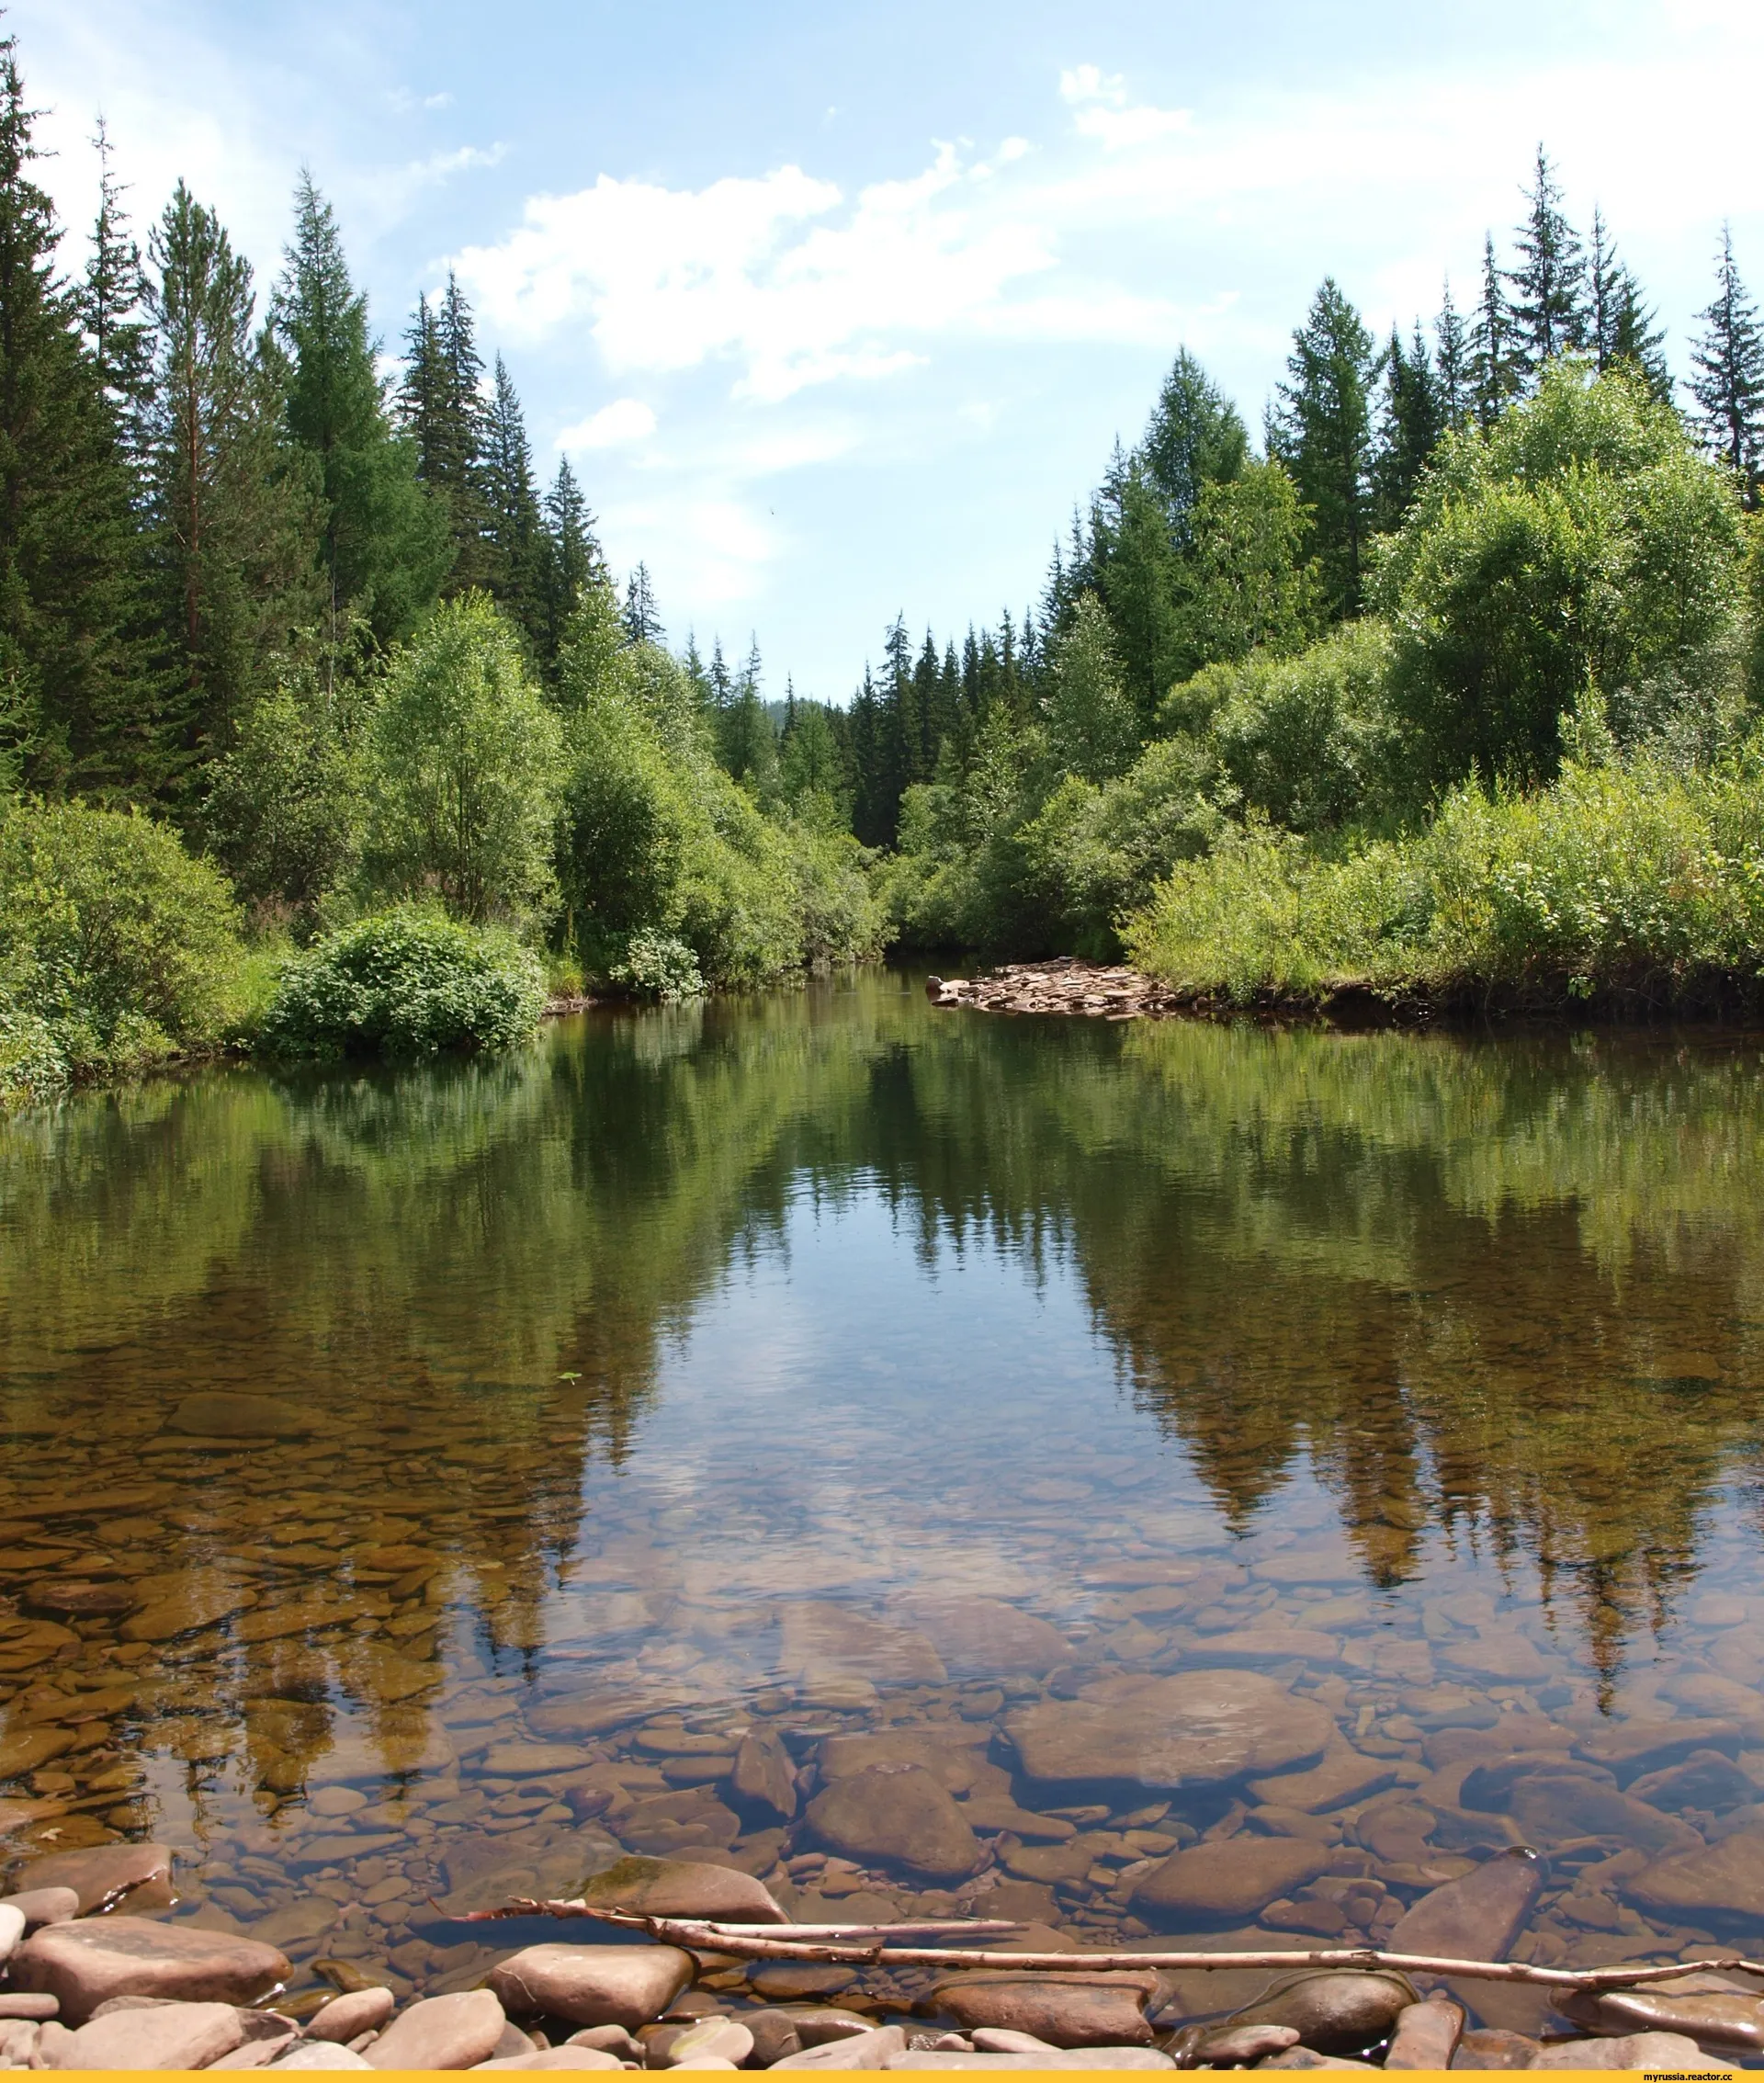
{"points": [[1628, 881], [1322, 432], [284, 807], [113, 940], [463, 764], [1248, 584], [657, 965], [32, 1066], [405, 983], [1583, 543], [1093, 731]]}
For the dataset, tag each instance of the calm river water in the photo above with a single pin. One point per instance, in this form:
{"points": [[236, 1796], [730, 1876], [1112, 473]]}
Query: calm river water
{"points": [[415, 1486]]}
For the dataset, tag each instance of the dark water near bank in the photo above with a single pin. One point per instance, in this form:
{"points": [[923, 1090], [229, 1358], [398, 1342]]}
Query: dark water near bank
{"points": [[362, 1432]]}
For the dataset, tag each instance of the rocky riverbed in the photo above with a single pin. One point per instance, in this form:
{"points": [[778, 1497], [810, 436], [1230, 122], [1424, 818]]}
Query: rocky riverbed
{"points": [[1092, 990], [97, 1972]]}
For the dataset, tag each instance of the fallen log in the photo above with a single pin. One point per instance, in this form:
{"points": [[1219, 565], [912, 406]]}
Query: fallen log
{"points": [[869, 1945]]}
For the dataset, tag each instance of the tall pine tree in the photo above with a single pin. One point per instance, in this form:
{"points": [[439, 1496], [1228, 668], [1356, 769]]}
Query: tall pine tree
{"points": [[1412, 420], [1322, 430], [1453, 366], [72, 680], [516, 531], [1621, 330], [1727, 375], [571, 559], [383, 549], [1494, 374], [236, 508], [1195, 438], [1549, 284], [441, 402]]}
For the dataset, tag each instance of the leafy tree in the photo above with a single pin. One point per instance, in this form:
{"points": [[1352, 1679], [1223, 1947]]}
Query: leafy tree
{"points": [[1321, 431], [1195, 438], [1093, 724], [1727, 379], [383, 549], [464, 755], [1549, 284], [233, 508], [1247, 583], [1583, 545], [70, 671]]}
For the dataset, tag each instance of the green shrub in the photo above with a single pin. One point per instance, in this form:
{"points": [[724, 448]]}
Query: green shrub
{"points": [[403, 984], [114, 941], [1630, 881], [657, 965], [32, 1068]]}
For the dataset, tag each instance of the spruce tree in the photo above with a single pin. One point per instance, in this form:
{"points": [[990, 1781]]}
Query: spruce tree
{"points": [[1412, 420], [1136, 561], [442, 406], [1727, 375], [383, 550], [514, 530], [1549, 284], [1322, 430], [570, 559], [73, 687], [748, 744], [1620, 330], [1453, 366], [1195, 438], [236, 508], [1494, 366], [642, 623], [112, 300]]}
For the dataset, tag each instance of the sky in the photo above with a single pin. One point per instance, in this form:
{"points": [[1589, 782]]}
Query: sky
{"points": [[836, 311]]}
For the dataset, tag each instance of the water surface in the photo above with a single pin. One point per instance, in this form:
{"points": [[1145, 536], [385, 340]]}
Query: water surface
{"points": [[363, 1430]]}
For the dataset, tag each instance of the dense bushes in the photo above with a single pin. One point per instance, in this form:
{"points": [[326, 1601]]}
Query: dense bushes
{"points": [[1632, 879], [403, 984], [116, 946]]}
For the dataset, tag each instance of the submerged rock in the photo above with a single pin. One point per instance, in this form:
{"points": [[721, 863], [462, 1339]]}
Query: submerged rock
{"points": [[763, 1777], [1199, 1730], [683, 1887], [900, 1813], [1475, 1916], [1728, 2017], [1227, 1882], [1670, 2052], [1724, 1881], [1333, 2011], [1426, 2037]]}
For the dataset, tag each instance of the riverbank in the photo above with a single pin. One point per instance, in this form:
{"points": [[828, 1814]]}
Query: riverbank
{"points": [[97, 1972]]}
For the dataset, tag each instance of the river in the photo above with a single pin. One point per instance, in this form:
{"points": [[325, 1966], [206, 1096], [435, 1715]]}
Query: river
{"points": [[418, 1484]]}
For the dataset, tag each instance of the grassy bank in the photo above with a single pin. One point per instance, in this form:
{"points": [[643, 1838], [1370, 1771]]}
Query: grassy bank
{"points": [[1626, 887]]}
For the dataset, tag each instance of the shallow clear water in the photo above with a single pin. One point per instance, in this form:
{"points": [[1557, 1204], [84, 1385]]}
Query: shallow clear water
{"points": [[363, 1430]]}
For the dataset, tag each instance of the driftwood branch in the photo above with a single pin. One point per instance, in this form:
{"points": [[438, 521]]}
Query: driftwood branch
{"points": [[868, 1945]]}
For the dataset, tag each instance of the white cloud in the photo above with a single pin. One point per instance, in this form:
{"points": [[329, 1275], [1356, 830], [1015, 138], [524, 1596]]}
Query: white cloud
{"points": [[1105, 114], [624, 420]]}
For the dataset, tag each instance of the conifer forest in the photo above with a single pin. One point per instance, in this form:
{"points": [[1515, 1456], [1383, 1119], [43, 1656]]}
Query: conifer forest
{"points": [[324, 723]]}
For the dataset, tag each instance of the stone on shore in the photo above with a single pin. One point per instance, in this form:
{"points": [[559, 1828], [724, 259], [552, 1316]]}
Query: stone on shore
{"points": [[1724, 1881], [319, 2054], [1668, 2051], [1726, 2016], [348, 2016], [1197, 1730], [727, 2039], [172, 2035], [40, 1906], [85, 1962], [683, 1887], [592, 1984], [12, 1928], [1064, 2011], [900, 1813], [1427, 2036], [1334, 2011], [1057, 2057], [1227, 1882], [556, 2057], [873, 2049], [1230, 2046], [451, 2031]]}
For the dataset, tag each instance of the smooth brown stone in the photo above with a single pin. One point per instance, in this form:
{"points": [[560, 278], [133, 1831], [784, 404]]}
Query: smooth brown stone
{"points": [[873, 2049], [318, 2053], [39, 1906], [1477, 1916], [1427, 2036], [142, 1871], [819, 1638], [1551, 1810], [1333, 2011], [953, 1752], [173, 2036], [1492, 2046], [987, 1638], [224, 1414], [779, 1981], [556, 2057], [1706, 1779], [1668, 2052], [683, 1887], [79, 1597], [1639, 1747], [593, 1985], [451, 2031], [1343, 1774], [85, 1962], [1054, 2058], [1227, 1882], [200, 1602], [1308, 2058], [1724, 1880], [1229, 2046], [1062, 2011], [1728, 2018], [763, 1777], [28, 1750], [1168, 1733], [518, 1761], [348, 2016], [725, 2039], [900, 1813]]}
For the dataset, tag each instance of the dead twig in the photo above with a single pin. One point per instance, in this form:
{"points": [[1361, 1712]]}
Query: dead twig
{"points": [[859, 1945]]}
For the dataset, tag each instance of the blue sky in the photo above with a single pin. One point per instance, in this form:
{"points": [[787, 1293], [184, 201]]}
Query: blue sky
{"points": [[837, 310]]}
